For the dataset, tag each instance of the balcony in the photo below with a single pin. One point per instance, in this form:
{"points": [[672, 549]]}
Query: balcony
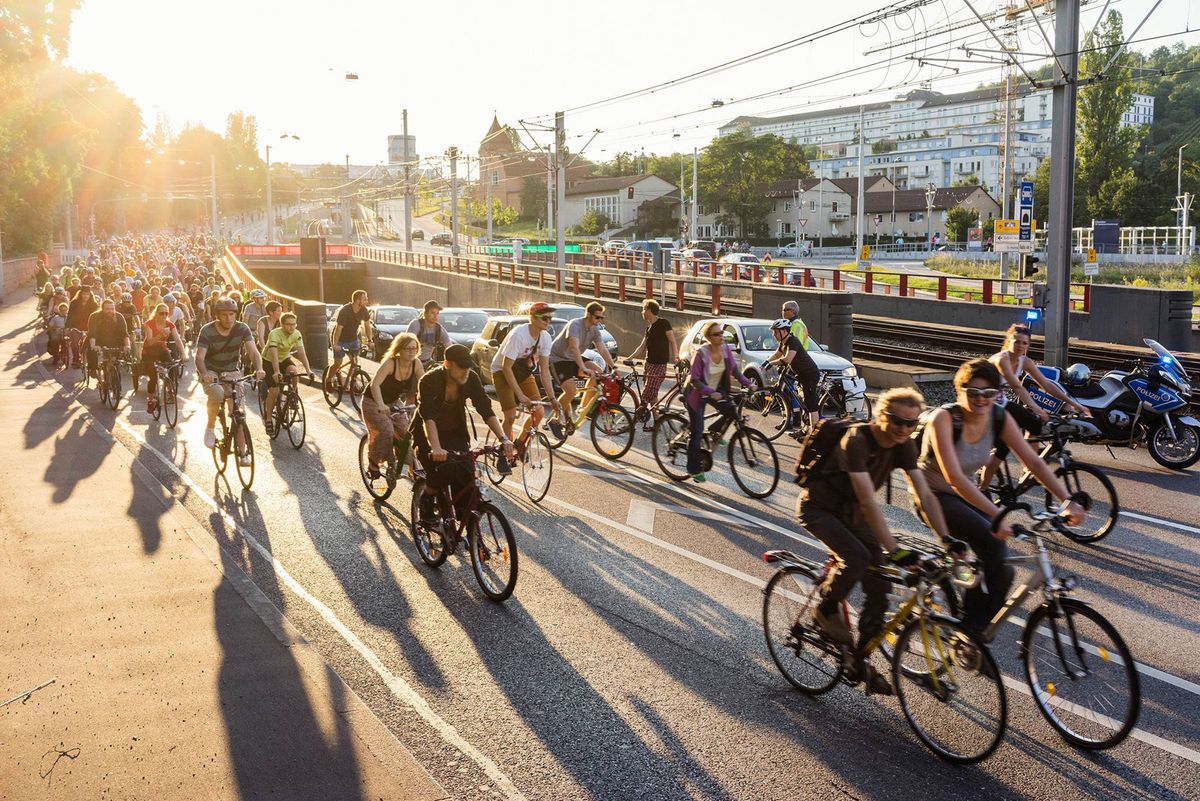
{"points": [[836, 216]]}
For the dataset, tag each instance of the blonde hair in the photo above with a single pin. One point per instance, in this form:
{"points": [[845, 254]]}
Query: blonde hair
{"points": [[1013, 331], [899, 396], [398, 342]]}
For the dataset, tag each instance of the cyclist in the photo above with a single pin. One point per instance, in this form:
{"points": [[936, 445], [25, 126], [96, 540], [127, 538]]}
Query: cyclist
{"points": [[396, 379], [838, 506], [56, 329], [566, 356], [255, 309], [957, 442], [512, 369], [661, 350], [281, 344], [350, 318], [712, 369], [432, 335], [218, 347], [105, 329], [158, 334], [268, 322], [177, 313], [797, 365], [440, 424]]}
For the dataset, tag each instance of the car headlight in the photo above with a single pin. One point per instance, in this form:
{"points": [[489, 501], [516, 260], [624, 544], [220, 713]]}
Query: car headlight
{"points": [[850, 372], [385, 336]]}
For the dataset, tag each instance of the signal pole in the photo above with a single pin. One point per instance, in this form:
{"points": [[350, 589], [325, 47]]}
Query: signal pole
{"points": [[454, 200], [408, 193], [560, 194]]}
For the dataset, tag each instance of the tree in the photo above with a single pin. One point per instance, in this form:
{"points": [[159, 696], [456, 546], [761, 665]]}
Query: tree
{"points": [[624, 163], [593, 222], [883, 146], [533, 198], [1041, 194], [958, 221], [734, 170]]}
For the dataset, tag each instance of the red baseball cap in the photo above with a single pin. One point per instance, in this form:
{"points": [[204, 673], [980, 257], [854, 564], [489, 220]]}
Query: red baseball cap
{"points": [[541, 307]]}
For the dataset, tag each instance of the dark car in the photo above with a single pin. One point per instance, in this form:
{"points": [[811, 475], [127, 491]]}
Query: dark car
{"points": [[441, 239], [384, 324], [483, 350], [418, 233]]}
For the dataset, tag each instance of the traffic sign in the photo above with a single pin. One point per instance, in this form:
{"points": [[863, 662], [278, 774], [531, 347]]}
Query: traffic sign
{"points": [[803, 222], [1025, 217], [866, 253], [1005, 237], [1090, 267], [1026, 193]]}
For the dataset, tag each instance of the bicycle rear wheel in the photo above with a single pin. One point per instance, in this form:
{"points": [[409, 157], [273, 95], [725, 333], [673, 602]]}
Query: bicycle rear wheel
{"points": [[754, 463], [170, 400], [949, 688], [379, 488], [612, 430], [331, 386], [493, 552], [1076, 663], [220, 450], [245, 471], [296, 425], [427, 534], [114, 386], [537, 466], [768, 412], [805, 659], [359, 383], [159, 398], [1104, 510], [669, 439]]}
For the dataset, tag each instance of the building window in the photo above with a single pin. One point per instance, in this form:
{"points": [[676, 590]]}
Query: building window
{"points": [[916, 216], [787, 205], [812, 205], [608, 205], [834, 207]]}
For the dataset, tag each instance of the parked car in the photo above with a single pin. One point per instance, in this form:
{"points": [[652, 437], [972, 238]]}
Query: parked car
{"points": [[790, 251], [442, 238], [384, 323], [687, 256], [418, 233], [707, 245], [753, 342], [483, 350], [743, 262], [572, 311], [612, 246], [464, 325]]}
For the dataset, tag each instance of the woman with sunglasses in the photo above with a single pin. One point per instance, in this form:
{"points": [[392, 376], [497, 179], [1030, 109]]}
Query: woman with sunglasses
{"points": [[713, 367], [395, 380], [157, 334], [957, 442]]}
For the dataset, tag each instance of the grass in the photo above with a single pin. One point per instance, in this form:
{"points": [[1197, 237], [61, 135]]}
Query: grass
{"points": [[1184, 275]]}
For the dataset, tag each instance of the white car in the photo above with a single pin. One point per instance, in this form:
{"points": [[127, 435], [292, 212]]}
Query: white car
{"points": [[753, 342], [790, 251], [744, 264]]}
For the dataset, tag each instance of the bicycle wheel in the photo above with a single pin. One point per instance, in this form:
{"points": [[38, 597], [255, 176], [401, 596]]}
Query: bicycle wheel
{"points": [[488, 460], [754, 463], [296, 424], [262, 396], [159, 398], [220, 450], [1077, 663], [669, 439], [949, 688], [612, 430], [427, 534], [170, 400], [1104, 510], [277, 415], [332, 385], [493, 552], [245, 471], [101, 384], [359, 383], [768, 412], [805, 659], [114, 387], [379, 488], [537, 466]]}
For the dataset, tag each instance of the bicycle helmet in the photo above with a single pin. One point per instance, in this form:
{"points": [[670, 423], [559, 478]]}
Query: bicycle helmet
{"points": [[225, 305], [781, 325], [1077, 375], [126, 297], [258, 294]]}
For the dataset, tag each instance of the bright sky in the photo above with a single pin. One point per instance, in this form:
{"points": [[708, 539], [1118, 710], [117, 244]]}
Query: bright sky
{"points": [[284, 62]]}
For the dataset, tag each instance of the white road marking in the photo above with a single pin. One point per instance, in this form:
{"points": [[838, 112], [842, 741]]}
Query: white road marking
{"points": [[641, 514], [1160, 521]]}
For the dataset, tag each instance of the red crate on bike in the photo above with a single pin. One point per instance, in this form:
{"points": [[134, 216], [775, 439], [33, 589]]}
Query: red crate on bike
{"points": [[611, 389]]}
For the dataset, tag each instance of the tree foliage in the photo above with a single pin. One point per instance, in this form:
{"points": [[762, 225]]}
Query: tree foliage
{"points": [[533, 198], [592, 223], [735, 168], [958, 221]]}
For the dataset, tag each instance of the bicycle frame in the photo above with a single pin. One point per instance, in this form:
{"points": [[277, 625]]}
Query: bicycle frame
{"points": [[1042, 579]]}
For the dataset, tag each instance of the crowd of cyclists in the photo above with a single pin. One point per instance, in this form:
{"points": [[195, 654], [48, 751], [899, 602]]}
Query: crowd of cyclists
{"points": [[151, 295]]}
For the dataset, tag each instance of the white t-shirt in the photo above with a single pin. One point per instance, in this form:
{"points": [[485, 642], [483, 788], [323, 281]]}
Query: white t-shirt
{"points": [[520, 344], [175, 316]]}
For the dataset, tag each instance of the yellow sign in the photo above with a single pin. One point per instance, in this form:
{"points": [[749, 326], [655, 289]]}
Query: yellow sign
{"points": [[866, 253], [1008, 227], [1091, 255]]}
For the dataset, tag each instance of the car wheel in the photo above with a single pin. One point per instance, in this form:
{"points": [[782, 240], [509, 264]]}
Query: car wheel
{"points": [[756, 381]]}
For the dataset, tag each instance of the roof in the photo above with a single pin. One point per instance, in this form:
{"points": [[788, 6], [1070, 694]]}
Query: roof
{"points": [[914, 199], [788, 186], [607, 184], [497, 139]]}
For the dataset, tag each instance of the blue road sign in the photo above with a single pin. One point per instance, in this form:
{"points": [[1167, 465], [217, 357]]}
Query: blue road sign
{"points": [[1025, 217], [1026, 193]]}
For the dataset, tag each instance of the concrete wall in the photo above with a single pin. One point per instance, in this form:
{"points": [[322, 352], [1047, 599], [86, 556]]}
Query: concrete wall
{"points": [[828, 315], [19, 272], [302, 282]]}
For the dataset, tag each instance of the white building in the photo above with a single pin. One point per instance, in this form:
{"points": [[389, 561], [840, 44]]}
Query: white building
{"points": [[618, 198]]}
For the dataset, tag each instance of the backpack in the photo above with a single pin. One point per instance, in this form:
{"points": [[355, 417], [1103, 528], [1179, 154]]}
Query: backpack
{"points": [[956, 423], [821, 441]]}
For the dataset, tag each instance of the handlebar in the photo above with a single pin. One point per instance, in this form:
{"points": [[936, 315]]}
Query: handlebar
{"points": [[1043, 521]]}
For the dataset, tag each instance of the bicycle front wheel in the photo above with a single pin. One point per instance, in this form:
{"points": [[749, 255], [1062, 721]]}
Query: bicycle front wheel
{"points": [[493, 552], [754, 463], [220, 450], [949, 688], [170, 400], [1104, 510], [380, 487], [612, 430], [537, 466], [805, 659], [768, 412], [1083, 678], [427, 534], [244, 453], [114, 388], [332, 386], [296, 425], [160, 397], [669, 439], [488, 460]]}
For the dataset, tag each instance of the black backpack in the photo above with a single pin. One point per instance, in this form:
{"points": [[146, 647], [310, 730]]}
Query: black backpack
{"points": [[821, 441], [956, 423]]}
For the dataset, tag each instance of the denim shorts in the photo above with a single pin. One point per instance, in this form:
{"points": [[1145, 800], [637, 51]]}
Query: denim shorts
{"points": [[342, 348]]}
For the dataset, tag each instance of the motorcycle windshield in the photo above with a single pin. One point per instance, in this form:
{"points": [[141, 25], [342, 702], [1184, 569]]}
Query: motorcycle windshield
{"points": [[1166, 358]]}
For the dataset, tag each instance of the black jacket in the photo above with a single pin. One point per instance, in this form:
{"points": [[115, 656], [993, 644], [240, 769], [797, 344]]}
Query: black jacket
{"points": [[431, 396]]}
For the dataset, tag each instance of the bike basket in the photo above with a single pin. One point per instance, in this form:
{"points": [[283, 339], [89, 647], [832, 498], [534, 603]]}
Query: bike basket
{"points": [[611, 389]]}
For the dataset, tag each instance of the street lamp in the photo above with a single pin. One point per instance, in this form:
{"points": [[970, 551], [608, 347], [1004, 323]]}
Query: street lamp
{"points": [[930, 192], [820, 196], [1179, 196], [895, 161], [270, 207]]}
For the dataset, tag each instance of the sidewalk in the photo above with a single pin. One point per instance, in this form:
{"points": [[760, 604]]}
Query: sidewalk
{"points": [[162, 678]]}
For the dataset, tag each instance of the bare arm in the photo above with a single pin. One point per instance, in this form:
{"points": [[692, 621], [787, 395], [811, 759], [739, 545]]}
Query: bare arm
{"points": [[674, 347], [1010, 376], [864, 490], [377, 382], [929, 503], [1050, 387]]}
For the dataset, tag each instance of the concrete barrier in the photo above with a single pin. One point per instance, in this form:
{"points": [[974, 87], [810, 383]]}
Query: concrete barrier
{"points": [[19, 272]]}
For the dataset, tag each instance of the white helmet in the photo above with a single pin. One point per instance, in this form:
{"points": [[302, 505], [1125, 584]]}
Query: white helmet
{"points": [[1077, 374]]}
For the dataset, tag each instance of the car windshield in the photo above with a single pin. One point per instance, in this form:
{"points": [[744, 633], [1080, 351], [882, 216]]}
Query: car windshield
{"points": [[463, 322], [569, 313], [758, 337], [395, 316]]}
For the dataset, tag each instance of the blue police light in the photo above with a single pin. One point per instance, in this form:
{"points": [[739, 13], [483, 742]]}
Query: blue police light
{"points": [[1033, 315]]}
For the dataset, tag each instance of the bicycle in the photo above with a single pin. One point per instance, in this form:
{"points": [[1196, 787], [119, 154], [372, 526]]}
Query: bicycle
{"points": [[167, 405], [1077, 476], [774, 410], [108, 381], [945, 678], [752, 458], [71, 351], [348, 378], [1084, 645], [533, 451], [289, 411], [631, 385], [227, 433], [489, 537], [381, 485], [611, 425]]}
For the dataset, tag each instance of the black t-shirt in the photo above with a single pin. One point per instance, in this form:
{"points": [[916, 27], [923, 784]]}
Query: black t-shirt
{"points": [[802, 363], [350, 320], [858, 452], [658, 349], [108, 332]]}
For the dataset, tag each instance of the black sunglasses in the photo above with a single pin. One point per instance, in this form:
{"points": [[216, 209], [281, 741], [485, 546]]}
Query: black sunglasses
{"points": [[906, 422]]}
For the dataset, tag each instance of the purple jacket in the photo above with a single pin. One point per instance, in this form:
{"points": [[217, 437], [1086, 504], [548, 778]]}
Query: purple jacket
{"points": [[698, 389]]}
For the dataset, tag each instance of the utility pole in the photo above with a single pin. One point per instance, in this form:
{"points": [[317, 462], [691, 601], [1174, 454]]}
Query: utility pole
{"points": [[408, 193], [1180, 215], [454, 200], [930, 193], [862, 138], [1062, 182], [70, 224], [270, 211], [549, 192], [695, 196], [489, 200], [560, 194], [216, 226]]}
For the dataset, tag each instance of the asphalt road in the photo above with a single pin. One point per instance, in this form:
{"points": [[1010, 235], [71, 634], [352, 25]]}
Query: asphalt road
{"points": [[630, 661]]}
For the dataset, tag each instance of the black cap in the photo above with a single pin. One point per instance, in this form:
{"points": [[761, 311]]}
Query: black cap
{"points": [[460, 355]]}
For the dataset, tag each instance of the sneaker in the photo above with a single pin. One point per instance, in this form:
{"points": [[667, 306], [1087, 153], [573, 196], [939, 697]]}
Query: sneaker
{"points": [[269, 425], [373, 473], [556, 429], [699, 478], [244, 460], [210, 438], [874, 682], [425, 507], [502, 466], [833, 626]]}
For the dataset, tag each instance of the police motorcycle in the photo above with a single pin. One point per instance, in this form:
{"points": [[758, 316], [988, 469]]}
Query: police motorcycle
{"points": [[1146, 405]]}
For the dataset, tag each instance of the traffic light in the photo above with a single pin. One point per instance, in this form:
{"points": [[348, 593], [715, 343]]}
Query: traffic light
{"points": [[629, 193], [1029, 266]]}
